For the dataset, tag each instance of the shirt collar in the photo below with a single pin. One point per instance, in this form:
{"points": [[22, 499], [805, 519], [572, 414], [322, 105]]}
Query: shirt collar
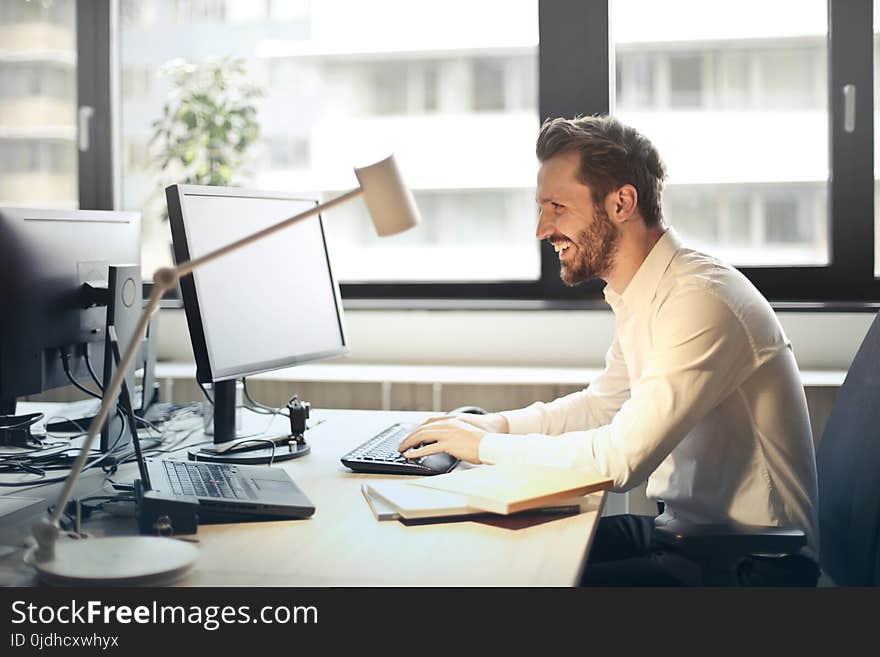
{"points": [[643, 286]]}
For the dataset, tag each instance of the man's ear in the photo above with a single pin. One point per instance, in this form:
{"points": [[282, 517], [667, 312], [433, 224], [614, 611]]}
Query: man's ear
{"points": [[622, 204]]}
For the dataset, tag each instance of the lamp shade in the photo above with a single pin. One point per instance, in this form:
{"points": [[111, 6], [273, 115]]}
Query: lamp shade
{"points": [[388, 199]]}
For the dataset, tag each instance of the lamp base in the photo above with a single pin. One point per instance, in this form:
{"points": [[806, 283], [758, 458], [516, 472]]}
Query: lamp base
{"points": [[117, 561]]}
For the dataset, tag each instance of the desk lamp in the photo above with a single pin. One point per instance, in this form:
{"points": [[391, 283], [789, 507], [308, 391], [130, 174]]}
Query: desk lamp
{"points": [[153, 559]]}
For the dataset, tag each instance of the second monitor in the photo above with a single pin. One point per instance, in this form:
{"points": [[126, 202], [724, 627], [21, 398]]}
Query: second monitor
{"points": [[271, 305]]}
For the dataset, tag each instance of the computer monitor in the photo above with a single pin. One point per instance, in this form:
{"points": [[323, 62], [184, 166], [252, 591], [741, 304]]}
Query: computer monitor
{"points": [[50, 260], [269, 305]]}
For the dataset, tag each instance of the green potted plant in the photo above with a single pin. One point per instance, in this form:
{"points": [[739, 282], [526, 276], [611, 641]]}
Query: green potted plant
{"points": [[208, 124], [205, 136]]}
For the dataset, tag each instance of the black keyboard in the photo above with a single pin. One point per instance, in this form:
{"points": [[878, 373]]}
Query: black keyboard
{"points": [[379, 454], [204, 480]]}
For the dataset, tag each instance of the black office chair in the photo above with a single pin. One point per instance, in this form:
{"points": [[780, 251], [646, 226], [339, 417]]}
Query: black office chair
{"points": [[848, 465]]}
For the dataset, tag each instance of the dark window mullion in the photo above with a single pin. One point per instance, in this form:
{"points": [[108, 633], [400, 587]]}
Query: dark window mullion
{"points": [[574, 77], [93, 80], [851, 155]]}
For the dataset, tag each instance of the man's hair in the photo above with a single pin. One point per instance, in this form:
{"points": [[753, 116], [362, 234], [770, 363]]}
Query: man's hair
{"points": [[612, 155]]}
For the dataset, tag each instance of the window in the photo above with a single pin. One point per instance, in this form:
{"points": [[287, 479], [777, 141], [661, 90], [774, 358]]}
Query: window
{"points": [[764, 171], [488, 85], [137, 83], [636, 80], [785, 223], [792, 76], [38, 67], [744, 109], [735, 80], [457, 104], [388, 86], [287, 153], [184, 12], [39, 15], [685, 79], [431, 86]]}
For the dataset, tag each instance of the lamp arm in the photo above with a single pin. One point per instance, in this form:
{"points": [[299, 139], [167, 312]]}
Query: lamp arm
{"points": [[45, 531], [185, 268]]}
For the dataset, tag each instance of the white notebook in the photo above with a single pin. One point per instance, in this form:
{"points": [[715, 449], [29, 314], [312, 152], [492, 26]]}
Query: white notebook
{"points": [[413, 502]]}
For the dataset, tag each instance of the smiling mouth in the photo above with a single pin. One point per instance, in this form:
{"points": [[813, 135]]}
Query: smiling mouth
{"points": [[561, 247]]}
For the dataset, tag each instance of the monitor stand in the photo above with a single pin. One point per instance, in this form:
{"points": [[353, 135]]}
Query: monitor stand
{"points": [[124, 307], [252, 450]]}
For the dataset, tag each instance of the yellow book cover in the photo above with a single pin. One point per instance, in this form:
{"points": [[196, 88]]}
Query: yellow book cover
{"points": [[510, 488]]}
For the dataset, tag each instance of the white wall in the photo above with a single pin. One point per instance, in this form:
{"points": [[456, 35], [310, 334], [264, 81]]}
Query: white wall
{"points": [[539, 338]]}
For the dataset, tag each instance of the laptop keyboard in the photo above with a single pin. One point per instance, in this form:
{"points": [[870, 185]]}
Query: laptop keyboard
{"points": [[204, 480]]}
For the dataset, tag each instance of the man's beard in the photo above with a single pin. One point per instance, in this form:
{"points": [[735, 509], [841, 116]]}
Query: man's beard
{"points": [[596, 248]]}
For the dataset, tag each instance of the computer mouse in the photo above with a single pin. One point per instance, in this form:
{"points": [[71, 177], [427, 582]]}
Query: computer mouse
{"points": [[475, 410], [439, 463]]}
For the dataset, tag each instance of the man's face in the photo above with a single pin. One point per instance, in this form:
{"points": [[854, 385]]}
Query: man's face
{"points": [[579, 229]]}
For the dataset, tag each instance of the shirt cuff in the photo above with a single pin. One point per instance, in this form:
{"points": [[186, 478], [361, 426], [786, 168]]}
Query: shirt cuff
{"points": [[492, 447], [525, 420], [503, 448]]}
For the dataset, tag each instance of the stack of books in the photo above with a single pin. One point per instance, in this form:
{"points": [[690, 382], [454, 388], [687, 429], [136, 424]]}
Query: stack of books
{"points": [[484, 490]]}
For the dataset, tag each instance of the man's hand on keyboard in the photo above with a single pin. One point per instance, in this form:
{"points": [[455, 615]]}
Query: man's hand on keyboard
{"points": [[490, 423], [451, 435]]}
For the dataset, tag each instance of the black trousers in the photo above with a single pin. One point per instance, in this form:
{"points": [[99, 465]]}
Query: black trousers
{"points": [[625, 553]]}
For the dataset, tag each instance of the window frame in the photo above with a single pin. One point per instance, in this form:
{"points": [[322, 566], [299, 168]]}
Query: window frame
{"points": [[572, 32], [98, 171]]}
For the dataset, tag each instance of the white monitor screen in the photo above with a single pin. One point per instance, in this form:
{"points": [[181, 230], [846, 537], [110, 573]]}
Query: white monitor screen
{"points": [[271, 304]]}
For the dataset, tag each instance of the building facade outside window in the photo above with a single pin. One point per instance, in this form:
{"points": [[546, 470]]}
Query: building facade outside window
{"points": [[455, 100], [38, 104], [738, 109]]}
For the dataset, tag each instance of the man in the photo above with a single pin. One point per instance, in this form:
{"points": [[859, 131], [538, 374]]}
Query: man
{"points": [[700, 395]]}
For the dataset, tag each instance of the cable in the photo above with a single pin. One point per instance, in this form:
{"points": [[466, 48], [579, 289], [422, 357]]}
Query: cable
{"points": [[82, 430], [86, 510], [40, 482], [12, 455], [148, 424], [26, 420], [176, 447], [179, 443], [205, 392], [91, 371], [250, 440], [257, 406], [261, 411], [56, 466], [169, 428], [38, 461], [64, 357], [112, 467]]}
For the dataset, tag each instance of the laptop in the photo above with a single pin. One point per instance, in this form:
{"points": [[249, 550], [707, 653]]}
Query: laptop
{"points": [[228, 492], [216, 492]]}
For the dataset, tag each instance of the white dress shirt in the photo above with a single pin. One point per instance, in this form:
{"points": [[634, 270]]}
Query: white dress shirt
{"points": [[701, 396]]}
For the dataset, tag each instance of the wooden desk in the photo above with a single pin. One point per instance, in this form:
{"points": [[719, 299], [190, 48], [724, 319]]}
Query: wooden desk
{"points": [[344, 545]]}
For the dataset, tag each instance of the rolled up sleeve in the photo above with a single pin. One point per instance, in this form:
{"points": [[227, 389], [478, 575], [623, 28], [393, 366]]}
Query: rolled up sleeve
{"points": [[584, 409]]}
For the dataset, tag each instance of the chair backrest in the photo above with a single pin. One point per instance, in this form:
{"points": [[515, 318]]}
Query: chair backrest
{"points": [[848, 464]]}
